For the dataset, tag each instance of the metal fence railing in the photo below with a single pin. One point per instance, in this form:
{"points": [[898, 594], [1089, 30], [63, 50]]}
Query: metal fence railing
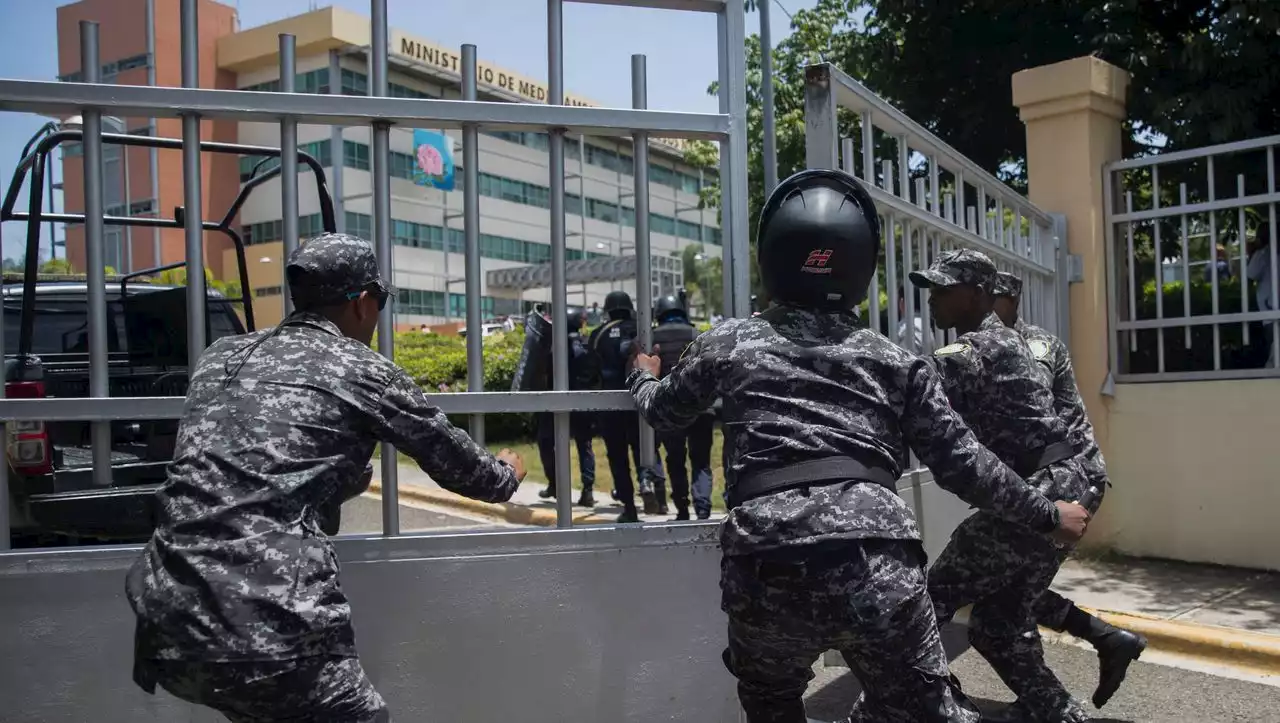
{"points": [[931, 199], [1190, 247]]}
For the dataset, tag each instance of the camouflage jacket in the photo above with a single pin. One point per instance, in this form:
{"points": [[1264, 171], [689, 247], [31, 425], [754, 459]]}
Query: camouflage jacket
{"points": [[995, 384], [799, 385], [279, 426], [1053, 354]]}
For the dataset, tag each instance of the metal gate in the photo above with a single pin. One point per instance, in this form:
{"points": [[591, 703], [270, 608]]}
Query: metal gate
{"points": [[932, 199], [625, 626]]}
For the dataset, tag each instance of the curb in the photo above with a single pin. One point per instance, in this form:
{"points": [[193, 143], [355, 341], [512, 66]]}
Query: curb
{"points": [[507, 512], [1226, 646]]}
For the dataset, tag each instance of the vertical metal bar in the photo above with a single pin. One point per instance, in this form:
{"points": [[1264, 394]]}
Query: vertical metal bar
{"points": [[733, 93], [1244, 282], [336, 151], [1113, 304], [849, 165], [191, 187], [1186, 267], [5, 539], [128, 203], [559, 282], [904, 171], [766, 98], [724, 50], [1275, 271], [1213, 268], [53, 238], [891, 275], [959, 212], [381, 170], [644, 258], [1128, 264], [153, 157], [288, 161], [471, 231], [980, 219], [868, 149], [935, 193], [821, 134], [95, 263], [1002, 234]]}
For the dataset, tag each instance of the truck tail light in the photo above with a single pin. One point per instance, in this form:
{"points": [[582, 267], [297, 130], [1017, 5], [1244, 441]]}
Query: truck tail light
{"points": [[27, 445]]}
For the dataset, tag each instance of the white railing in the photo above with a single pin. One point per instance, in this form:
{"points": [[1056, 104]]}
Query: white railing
{"points": [[1188, 253], [931, 199]]}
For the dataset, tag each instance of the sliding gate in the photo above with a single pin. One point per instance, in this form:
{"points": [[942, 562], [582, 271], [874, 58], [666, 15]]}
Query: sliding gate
{"points": [[569, 625]]}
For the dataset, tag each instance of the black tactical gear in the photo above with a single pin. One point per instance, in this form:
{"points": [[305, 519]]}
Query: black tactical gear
{"points": [[617, 304]]}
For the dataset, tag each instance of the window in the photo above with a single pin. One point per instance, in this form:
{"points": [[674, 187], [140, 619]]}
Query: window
{"points": [[267, 231], [319, 150], [359, 224], [61, 325], [313, 81], [268, 291], [355, 155]]}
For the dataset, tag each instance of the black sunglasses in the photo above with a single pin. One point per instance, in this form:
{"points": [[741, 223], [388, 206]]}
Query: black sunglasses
{"points": [[382, 295]]}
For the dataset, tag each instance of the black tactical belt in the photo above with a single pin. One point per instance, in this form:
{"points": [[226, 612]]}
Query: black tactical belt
{"points": [[1036, 460], [812, 473]]}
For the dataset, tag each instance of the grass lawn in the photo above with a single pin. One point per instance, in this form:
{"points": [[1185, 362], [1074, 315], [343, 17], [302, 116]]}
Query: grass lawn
{"points": [[528, 451]]}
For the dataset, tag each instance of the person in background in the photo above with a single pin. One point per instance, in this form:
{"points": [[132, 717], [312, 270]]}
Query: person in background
{"points": [[673, 334], [1260, 271], [583, 374]]}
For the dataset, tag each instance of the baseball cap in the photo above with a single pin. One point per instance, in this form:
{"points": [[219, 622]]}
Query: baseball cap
{"points": [[1007, 284], [961, 266], [332, 268]]}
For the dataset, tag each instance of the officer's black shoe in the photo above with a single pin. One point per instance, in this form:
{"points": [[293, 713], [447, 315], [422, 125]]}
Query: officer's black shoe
{"points": [[629, 515], [548, 493], [682, 513], [650, 501], [1116, 650], [704, 514], [614, 495], [662, 508], [587, 499]]}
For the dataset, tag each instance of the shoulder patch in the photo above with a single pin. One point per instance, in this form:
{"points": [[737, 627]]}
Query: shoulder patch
{"points": [[1039, 348], [952, 349]]}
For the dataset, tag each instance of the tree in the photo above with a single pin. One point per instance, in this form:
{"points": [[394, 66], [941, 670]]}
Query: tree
{"points": [[1203, 71]]}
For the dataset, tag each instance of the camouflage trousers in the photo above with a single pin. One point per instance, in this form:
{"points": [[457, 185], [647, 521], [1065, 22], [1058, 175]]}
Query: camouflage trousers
{"points": [[1004, 571], [865, 598], [310, 690], [1051, 610]]}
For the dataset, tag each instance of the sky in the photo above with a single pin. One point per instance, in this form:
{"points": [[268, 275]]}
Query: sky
{"points": [[598, 43]]}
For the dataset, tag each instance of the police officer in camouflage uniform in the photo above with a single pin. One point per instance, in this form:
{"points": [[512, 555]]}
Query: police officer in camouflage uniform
{"points": [[612, 342], [1116, 648], [995, 383], [237, 597], [820, 552], [673, 334]]}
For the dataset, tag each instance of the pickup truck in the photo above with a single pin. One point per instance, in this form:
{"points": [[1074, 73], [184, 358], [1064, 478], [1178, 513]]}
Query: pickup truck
{"points": [[51, 476], [54, 498]]}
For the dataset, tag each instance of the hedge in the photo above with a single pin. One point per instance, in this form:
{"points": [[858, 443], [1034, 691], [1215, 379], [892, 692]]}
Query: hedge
{"points": [[1234, 352]]}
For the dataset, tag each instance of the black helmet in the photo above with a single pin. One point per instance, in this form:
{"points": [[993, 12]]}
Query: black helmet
{"points": [[575, 316], [667, 306], [618, 301], [819, 240]]}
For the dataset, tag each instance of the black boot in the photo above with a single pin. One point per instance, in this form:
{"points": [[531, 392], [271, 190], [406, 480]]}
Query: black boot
{"points": [[629, 513], [549, 493], [647, 496], [682, 511], [587, 499], [660, 492], [1116, 650]]}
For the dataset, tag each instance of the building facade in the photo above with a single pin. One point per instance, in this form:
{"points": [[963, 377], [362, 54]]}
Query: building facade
{"points": [[427, 229]]}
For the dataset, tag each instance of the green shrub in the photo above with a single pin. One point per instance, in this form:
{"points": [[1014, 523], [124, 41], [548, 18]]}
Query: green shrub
{"points": [[1233, 351]]}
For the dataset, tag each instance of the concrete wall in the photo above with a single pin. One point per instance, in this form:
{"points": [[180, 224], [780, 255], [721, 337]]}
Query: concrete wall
{"points": [[1194, 473]]}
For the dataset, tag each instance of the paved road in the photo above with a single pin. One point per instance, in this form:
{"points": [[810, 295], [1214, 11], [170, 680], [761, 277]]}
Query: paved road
{"points": [[1151, 693], [364, 514]]}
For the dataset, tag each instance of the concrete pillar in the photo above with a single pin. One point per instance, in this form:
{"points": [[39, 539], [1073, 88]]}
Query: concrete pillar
{"points": [[1074, 111]]}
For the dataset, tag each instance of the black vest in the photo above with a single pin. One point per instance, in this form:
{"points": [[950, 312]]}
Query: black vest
{"points": [[672, 338]]}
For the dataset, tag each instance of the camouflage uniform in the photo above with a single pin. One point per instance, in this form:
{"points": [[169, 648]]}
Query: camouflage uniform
{"points": [[995, 384], [237, 596], [831, 562], [1051, 609]]}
